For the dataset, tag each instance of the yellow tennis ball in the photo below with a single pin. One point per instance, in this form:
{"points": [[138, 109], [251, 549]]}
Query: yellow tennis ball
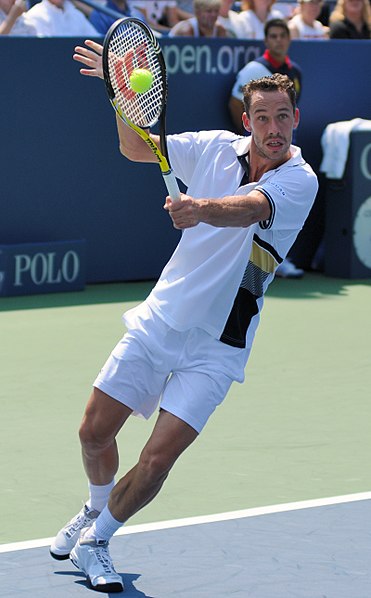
{"points": [[141, 80]]}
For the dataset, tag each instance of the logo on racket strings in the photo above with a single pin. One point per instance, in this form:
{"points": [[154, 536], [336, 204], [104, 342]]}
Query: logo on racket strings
{"points": [[134, 58]]}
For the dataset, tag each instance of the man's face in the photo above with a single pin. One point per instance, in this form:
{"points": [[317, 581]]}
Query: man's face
{"points": [[271, 123], [277, 42], [207, 16], [311, 9]]}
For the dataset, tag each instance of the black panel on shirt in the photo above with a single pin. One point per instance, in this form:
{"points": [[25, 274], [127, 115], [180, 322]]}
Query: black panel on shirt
{"points": [[246, 169], [244, 309]]}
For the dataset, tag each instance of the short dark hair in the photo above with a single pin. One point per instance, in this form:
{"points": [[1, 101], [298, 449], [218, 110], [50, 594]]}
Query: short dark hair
{"points": [[276, 23], [276, 82]]}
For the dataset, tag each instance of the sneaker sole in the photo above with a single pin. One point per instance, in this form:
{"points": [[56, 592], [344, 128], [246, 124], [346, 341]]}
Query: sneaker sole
{"points": [[59, 557], [109, 588]]}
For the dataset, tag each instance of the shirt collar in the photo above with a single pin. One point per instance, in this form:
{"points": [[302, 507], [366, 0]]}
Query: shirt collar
{"points": [[241, 146], [276, 65]]}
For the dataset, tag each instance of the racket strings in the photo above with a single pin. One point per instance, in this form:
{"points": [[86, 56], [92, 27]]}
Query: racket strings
{"points": [[130, 49]]}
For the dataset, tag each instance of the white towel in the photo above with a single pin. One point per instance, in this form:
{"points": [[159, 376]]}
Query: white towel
{"points": [[335, 145]]}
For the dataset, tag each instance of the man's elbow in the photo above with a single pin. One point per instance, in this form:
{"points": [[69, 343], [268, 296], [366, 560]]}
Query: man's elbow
{"points": [[128, 153]]}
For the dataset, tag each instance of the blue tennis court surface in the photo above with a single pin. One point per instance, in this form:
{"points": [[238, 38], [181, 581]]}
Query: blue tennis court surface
{"points": [[305, 552]]}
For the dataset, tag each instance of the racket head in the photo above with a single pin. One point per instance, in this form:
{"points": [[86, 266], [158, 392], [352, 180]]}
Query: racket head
{"points": [[129, 44]]}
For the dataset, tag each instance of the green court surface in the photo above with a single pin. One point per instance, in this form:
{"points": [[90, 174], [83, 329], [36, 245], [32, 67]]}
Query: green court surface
{"points": [[297, 429]]}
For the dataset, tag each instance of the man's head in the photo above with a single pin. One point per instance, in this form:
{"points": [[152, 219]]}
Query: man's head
{"points": [[310, 9], [276, 82], [271, 115], [207, 12], [277, 38]]}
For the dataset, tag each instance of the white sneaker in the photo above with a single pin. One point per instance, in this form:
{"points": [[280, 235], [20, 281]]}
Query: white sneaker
{"points": [[92, 558], [67, 537], [288, 270]]}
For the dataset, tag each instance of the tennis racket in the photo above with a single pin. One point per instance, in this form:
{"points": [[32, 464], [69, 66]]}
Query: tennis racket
{"points": [[128, 45]]}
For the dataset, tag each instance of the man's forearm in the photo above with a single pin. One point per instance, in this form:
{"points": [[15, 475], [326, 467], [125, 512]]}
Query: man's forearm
{"points": [[7, 25], [234, 210], [132, 146]]}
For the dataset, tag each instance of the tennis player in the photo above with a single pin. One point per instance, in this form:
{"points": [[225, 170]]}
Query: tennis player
{"points": [[247, 199]]}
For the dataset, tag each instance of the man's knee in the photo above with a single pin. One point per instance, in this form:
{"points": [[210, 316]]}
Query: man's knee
{"points": [[92, 436], [155, 464], [103, 418]]}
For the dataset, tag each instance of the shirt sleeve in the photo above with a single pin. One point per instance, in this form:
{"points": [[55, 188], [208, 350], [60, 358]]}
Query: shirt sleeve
{"points": [[253, 70], [291, 193], [186, 149], [99, 22]]}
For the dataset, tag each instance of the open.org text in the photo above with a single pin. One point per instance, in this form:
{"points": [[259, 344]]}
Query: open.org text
{"points": [[193, 59]]}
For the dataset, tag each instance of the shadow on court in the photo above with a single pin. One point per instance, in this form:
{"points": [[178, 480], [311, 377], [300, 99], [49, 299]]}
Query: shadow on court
{"points": [[92, 295], [312, 285], [127, 579], [312, 552]]}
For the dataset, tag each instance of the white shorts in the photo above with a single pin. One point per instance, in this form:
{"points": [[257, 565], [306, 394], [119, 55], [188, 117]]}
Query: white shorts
{"points": [[188, 373]]}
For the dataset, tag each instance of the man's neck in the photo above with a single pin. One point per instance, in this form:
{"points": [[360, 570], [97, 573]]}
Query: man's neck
{"points": [[259, 164], [262, 14], [276, 60]]}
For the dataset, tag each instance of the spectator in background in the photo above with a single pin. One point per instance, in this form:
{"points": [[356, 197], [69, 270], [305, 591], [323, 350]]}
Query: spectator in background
{"points": [[254, 15], [103, 22], [161, 16], [351, 19], [324, 15], [229, 19], [304, 24], [59, 18], [203, 24], [274, 60], [12, 18]]}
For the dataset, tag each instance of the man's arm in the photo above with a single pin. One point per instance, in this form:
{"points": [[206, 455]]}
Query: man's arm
{"points": [[182, 29], [18, 8], [233, 210], [131, 145]]}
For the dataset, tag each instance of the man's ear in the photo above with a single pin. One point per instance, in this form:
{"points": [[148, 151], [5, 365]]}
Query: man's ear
{"points": [[246, 122], [296, 118]]}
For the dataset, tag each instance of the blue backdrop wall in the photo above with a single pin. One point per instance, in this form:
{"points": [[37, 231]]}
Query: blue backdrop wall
{"points": [[63, 176]]}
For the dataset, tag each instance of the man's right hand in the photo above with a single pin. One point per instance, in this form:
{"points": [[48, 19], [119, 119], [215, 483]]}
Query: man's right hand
{"points": [[91, 57]]}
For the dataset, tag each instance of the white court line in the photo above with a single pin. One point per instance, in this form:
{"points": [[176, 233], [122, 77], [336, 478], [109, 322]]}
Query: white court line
{"points": [[252, 512]]}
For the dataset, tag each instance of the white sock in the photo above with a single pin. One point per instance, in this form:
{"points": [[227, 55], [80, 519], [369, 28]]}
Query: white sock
{"points": [[104, 526], [99, 495]]}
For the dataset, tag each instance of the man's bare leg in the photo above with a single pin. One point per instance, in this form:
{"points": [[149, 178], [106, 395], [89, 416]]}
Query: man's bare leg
{"points": [[103, 419], [170, 437]]}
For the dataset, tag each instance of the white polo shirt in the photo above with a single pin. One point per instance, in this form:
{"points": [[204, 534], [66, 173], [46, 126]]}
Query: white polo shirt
{"points": [[217, 276]]}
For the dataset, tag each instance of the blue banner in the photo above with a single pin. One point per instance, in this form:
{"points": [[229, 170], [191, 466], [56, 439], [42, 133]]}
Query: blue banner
{"points": [[31, 268]]}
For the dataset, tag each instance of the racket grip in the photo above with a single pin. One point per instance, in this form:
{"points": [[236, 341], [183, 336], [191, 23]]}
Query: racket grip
{"points": [[172, 185]]}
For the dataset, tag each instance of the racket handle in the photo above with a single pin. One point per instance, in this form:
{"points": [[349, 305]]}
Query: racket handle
{"points": [[172, 185]]}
